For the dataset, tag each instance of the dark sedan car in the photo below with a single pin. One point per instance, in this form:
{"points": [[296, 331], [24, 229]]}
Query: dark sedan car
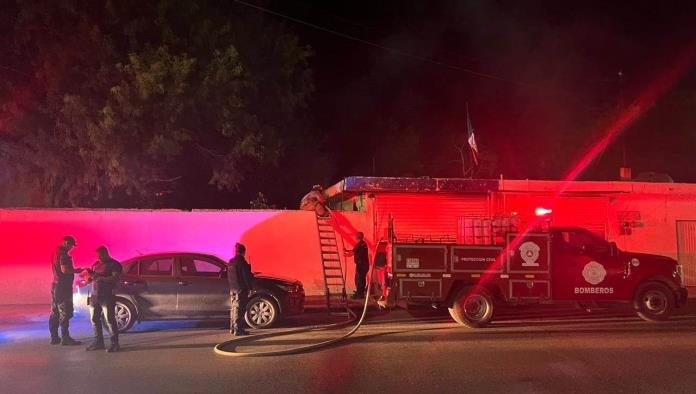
{"points": [[170, 286]]}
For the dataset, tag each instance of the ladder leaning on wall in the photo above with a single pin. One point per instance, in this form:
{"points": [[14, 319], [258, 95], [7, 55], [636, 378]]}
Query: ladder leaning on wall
{"points": [[334, 277]]}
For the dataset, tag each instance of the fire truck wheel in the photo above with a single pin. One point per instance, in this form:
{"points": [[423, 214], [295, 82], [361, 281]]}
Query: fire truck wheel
{"points": [[654, 301], [472, 307]]}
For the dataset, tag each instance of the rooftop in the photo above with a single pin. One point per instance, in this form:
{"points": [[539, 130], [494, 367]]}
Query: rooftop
{"points": [[361, 184]]}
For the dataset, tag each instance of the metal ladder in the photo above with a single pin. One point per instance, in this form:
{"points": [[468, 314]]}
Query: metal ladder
{"points": [[334, 279]]}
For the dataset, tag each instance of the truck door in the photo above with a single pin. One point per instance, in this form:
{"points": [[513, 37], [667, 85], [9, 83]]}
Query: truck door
{"points": [[584, 267]]}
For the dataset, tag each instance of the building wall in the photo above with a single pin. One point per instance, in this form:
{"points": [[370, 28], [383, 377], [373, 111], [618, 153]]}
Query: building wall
{"points": [[286, 243], [588, 211], [278, 242], [426, 215]]}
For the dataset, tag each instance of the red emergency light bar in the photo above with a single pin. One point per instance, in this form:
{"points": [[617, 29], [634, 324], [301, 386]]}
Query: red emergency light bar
{"points": [[542, 211]]}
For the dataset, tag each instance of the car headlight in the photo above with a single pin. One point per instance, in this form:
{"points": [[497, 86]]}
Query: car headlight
{"points": [[679, 272], [291, 287]]}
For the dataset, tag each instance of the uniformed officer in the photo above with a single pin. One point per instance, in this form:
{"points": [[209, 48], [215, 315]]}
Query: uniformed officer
{"points": [[102, 303], [240, 279], [362, 264], [61, 293]]}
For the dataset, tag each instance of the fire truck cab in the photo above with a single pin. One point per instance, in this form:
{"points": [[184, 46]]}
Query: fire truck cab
{"points": [[547, 266]]}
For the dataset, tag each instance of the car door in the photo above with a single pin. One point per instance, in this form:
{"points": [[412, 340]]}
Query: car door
{"points": [[155, 288], [202, 289], [584, 267]]}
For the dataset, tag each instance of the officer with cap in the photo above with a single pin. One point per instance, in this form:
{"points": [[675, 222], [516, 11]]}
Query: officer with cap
{"points": [[102, 303], [240, 279], [362, 264], [61, 293]]}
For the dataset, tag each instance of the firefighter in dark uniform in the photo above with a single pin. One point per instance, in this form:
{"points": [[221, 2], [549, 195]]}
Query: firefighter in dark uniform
{"points": [[102, 303], [240, 279], [362, 264], [61, 293]]}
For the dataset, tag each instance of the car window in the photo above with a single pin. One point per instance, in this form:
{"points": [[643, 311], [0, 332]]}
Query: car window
{"points": [[132, 269], [191, 266], [157, 267]]}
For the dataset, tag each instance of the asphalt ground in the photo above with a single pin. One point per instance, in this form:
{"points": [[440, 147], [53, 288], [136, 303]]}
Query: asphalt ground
{"points": [[525, 350]]}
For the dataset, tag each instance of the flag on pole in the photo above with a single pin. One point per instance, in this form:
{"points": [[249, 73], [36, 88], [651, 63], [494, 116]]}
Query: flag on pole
{"points": [[471, 139]]}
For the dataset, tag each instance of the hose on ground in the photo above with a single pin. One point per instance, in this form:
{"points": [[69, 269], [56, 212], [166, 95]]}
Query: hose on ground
{"points": [[233, 343]]}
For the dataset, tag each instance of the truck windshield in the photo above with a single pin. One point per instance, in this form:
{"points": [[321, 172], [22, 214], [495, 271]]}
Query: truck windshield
{"points": [[584, 240]]}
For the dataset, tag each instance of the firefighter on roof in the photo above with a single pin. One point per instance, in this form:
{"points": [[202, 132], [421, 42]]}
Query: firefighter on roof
{"points": [[315, 201]]}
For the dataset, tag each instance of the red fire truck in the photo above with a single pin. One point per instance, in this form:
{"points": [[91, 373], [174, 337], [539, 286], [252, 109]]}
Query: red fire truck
{"points": [[546, 266]]}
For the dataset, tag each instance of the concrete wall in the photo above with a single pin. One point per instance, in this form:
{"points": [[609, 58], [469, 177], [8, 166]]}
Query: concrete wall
{"points": [[278, 242]]}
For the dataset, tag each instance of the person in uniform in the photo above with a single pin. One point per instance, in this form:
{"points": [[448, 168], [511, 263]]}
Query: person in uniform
{"points": [[102, 303], [315, 201], [61, 293], [240, 279], [362, 264], [380, 269]]}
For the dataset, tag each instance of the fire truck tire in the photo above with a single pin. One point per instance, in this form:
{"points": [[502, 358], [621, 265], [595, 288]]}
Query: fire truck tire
{"points": [[654, 301], [472, 307]]}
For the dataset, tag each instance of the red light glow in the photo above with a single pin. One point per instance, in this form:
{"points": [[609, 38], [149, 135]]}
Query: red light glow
{"points": [[542, 211], [656, 89]]}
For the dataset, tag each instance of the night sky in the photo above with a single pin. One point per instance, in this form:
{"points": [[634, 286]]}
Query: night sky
{"points": [[543, 80], [554, 81]]}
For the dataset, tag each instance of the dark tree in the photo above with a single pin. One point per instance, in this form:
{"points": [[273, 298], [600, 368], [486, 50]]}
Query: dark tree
{"points": [[117, 102]]}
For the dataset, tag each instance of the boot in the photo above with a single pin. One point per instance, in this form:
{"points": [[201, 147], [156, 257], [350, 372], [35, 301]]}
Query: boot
{"points": [[53, 329], [114, 346], [240, 333], [96, 345], [69, 341]]}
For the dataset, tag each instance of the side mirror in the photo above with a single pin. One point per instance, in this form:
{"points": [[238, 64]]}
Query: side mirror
{"points": [[583, 249], [223, 274]]}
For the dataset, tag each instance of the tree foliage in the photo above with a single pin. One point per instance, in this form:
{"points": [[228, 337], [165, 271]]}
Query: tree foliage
{"points": [[117, 101]]}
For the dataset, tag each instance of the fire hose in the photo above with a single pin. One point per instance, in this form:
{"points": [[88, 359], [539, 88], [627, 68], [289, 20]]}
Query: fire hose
{"points": [[233, 343]]}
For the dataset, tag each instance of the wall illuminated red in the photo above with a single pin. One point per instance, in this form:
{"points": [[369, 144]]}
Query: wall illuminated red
{"points": [[279, 242]]}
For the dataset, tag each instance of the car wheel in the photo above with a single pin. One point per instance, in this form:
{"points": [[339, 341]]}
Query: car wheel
{"points": [[654, 301], [125, 315], [261, 312], [472, 307]]}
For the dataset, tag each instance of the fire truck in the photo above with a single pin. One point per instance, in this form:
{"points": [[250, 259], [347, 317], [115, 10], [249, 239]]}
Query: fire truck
{"points": [[551, 265]]}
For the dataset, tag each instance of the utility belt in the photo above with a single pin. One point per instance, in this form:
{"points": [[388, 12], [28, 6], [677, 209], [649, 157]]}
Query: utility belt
{"points": [[101, 298], [60, 286], [61, 290]]}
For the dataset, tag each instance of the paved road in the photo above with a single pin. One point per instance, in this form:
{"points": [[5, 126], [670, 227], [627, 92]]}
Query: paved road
{"points": [[402, 352]]}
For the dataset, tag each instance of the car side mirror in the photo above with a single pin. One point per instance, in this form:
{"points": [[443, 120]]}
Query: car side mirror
{"points": [[583, 249], [223, 274]]}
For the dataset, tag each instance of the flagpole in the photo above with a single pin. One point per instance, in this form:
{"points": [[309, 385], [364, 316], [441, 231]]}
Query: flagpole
{"points": [[470, 171], [471, 140]]}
